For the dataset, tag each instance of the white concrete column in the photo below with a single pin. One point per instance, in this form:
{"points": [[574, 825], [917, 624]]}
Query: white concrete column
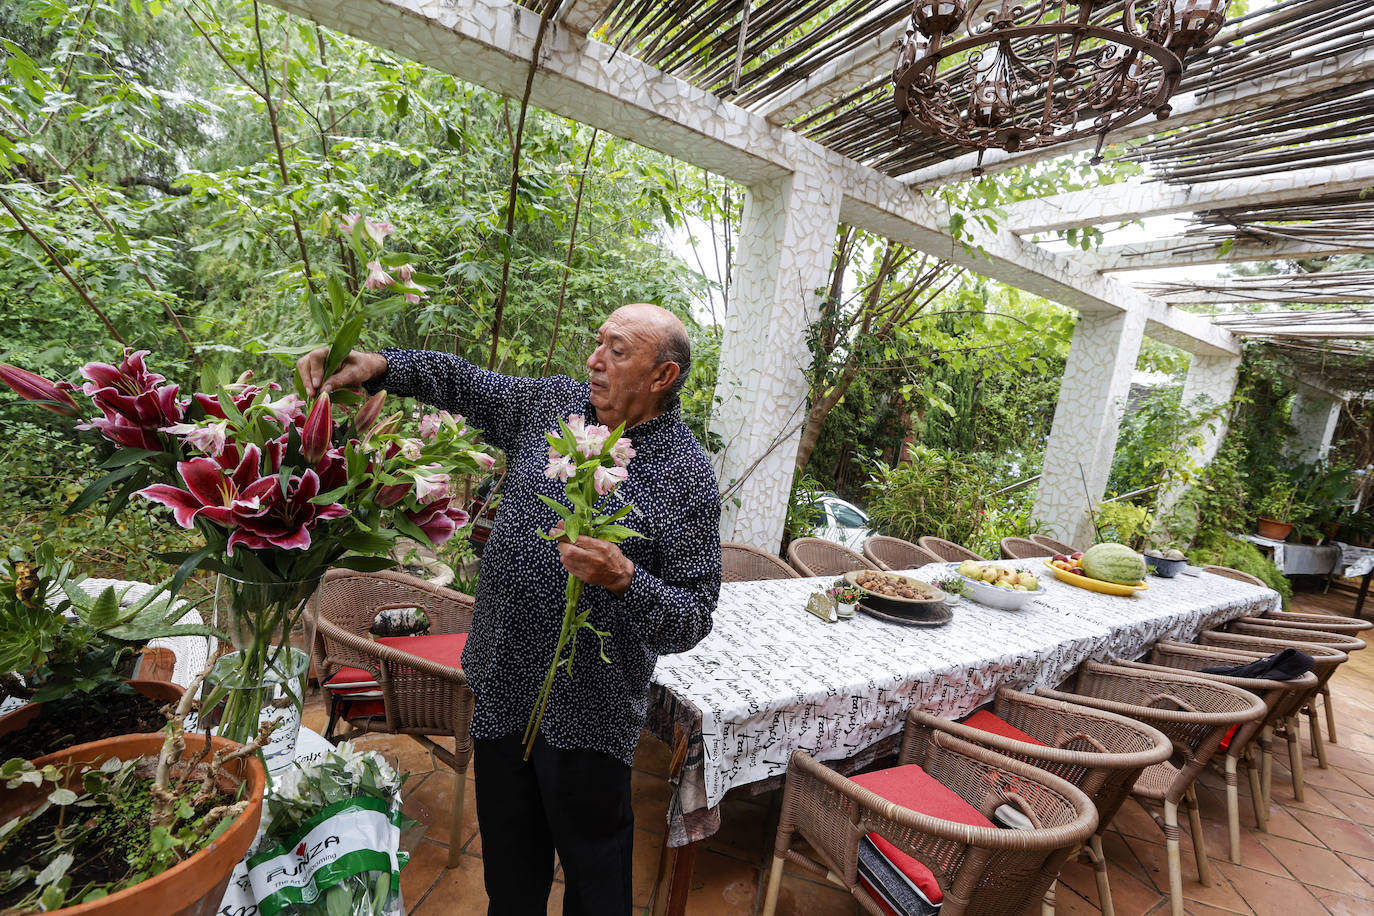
{"points": [[1210, 383], [1092, 397], [1315, 415], [781, 265]]}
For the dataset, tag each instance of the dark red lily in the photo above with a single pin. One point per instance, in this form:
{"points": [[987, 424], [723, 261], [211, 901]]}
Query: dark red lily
{"points": [[319, 427], [43, 393]]}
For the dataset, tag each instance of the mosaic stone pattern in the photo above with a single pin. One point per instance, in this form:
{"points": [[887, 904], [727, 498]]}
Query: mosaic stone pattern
{"points": [[783, 259], [1092, 397], [1315, 415]]}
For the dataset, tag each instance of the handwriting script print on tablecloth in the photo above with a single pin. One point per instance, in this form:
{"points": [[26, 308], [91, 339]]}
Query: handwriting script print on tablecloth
{"points": [[771, 679]]}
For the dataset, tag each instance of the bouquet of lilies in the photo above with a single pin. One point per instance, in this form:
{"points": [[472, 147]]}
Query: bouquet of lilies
{"points": [[591, 462]]}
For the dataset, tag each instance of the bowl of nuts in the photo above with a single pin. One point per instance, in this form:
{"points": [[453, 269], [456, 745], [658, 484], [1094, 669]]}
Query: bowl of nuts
{"points": [[897, 596]]}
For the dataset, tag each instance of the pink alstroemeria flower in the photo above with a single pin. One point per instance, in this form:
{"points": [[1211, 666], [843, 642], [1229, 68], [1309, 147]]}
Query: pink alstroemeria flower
{"points": [[377, 278], [560, 468], [607, 479], [375, 230], [43, 393], [622, 452], [438, 520], [209, 438], [484, 461], [591, 440], [430, 486]]}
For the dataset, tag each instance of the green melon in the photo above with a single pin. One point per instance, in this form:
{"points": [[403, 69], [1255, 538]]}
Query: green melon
{"points": [[1113, 563]]}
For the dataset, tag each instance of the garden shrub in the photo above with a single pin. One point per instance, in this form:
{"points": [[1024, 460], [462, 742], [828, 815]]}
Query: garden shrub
{"points": [[1222, 550], [934, 493]]}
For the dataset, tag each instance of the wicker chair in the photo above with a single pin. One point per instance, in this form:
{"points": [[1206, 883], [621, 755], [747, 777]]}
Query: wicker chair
{"points": [[1236, 574], [409, 694], [1325, 662], [948, 551], [1099, 752], [819, 557], [1331, 623], [1052, 545], [1023, 549], [1251, 739], [742, 563], [1278, 629], [894, 553], [1196, 714], [983, 870]]}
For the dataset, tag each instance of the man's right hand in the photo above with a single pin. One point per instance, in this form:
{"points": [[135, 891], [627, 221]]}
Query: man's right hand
{"points": [[359, 366]]}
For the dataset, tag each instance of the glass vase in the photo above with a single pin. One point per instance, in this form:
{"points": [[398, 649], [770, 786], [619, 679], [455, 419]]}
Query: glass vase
{"points": [[264, 679]]}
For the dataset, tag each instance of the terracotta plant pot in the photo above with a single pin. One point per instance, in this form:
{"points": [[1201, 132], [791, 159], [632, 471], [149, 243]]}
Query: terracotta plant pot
{"points": [[192, 888], [165, 691], [1268, 528]]}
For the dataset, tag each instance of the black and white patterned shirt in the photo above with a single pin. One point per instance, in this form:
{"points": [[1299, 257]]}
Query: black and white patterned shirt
{"points": [[520, 591]]}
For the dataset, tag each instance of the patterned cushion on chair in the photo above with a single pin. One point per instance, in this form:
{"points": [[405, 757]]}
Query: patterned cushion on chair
{"points": [[913, 788], [985, 721]]}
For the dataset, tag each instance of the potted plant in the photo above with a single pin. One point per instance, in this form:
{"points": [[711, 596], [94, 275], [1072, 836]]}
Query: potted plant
{"points": [[845, 597], [128, 826], [1274, 508], [953, 587], [67, 653]]}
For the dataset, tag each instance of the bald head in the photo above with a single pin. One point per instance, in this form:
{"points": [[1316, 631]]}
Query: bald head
{"points": [[673, 344]]}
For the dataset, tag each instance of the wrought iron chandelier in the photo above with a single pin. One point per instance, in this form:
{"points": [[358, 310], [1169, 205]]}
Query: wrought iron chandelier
{"points": [[1033, 74]]}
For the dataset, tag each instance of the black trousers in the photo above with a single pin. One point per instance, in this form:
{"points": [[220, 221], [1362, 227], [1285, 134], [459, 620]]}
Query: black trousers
{"points": [[576, 802]]}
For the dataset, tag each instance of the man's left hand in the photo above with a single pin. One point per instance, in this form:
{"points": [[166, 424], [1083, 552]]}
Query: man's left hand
{"points": [[597, 562]]}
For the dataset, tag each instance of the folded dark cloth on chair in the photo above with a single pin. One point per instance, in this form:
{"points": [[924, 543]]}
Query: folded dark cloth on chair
{"points": [[1281, 666]]}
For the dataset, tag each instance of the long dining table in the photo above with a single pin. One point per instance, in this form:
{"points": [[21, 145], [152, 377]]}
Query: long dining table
{"points": [[772, 678]]}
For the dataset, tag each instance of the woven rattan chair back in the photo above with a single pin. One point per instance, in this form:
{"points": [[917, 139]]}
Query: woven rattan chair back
{"points": [[984, 870], [819, 557], [1275, 629], [742, 563], [1236, 574], [1023, 549], [1332, 623], [1052, 545], [420, 698], [1196, 714], [895, 553], [948, 551]]}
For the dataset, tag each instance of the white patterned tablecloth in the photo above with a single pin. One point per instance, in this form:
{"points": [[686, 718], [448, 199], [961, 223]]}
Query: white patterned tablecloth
{"points": [[771, 678], [1356, 562]]}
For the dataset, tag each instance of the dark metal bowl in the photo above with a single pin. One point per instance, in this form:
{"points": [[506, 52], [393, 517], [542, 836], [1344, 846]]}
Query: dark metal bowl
{"points": [[910, 608]]}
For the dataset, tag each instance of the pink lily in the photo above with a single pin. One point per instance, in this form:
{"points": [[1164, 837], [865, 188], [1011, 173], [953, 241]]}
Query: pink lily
{"points": [[438, 520], [43, 393], [377, 278]]}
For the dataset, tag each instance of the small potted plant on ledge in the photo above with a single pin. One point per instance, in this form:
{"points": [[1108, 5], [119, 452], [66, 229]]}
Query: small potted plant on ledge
{"points": [[1275, 507]]}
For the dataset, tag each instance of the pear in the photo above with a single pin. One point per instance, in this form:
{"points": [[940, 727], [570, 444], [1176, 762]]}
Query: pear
{"points": [[1027, 581], [990, 574], [970, 569]]}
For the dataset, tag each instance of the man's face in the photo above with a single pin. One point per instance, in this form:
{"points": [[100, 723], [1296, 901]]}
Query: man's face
{"points": [[621, 365]]}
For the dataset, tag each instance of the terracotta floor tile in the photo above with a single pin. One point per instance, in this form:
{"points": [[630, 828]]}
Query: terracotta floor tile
{"points": [[1358, 808], [1363, 779], [648, 846], [1351, 762], [458, 890], [724, 886], [1193, 908], [1285, 823], [652, 755], [1318, 866], [431, 800], [649, 796], [428, 861], [1270, 895], [1332, 778], [1364, 867], [746, 831], [1340, 835], [1129, 893], [1132, 820], [799, 896], [1343, 905], [1314, 799]]}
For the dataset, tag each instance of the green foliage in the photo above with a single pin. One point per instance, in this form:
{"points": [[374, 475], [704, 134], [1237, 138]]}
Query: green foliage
{"points": [[1157, 437], [1121, 522], [933, 493], [1220, 550], [802, 509]]}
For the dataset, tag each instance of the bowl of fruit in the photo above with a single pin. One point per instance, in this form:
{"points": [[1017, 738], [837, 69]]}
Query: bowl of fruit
{"points": [[1167, 563], [1112, 569], [997, 586]]}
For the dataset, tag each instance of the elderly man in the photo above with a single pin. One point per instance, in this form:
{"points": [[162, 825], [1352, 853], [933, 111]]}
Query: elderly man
{"points": [[654, 594]]}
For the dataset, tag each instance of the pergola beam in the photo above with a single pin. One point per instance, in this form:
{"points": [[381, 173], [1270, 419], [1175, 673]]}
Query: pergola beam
{"points": [[1189, 251], [583, 15], [852, 70], [1187, 108], [1132, 200], [490, 42]]}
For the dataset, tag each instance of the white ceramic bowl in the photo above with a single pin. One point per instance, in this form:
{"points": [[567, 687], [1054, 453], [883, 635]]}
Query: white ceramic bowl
{"points": [[1005, 599]]}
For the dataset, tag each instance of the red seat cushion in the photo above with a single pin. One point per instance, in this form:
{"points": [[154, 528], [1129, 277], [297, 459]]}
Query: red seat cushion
{"points": [[357, 684], [985, 721], [351, 681], [911, 787], [1225, 744], [443, 648]]}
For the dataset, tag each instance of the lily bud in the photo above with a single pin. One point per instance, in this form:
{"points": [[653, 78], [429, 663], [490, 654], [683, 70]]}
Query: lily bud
{"points": [[367, 414], [319, 427], [387, 426], [43, 393], [391, 494]]}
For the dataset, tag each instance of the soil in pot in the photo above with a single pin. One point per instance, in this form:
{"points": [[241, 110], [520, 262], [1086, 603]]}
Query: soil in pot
{"points": [[59, 726], [119, 835]]}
